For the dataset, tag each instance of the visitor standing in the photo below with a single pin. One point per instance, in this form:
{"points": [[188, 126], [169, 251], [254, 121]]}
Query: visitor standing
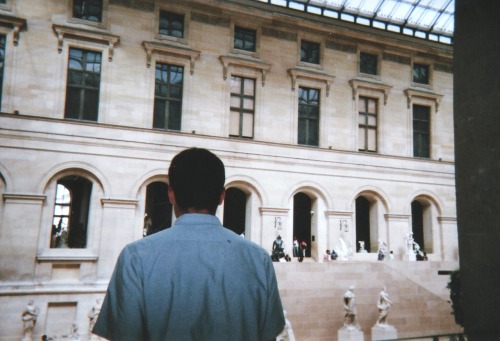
{"points": [[196, 280]]}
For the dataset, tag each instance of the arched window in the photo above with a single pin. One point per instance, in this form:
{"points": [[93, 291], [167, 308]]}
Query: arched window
{"points": [[71, 212], [421, 220], [235, 204], [302, 208], [363, 222], [158, 214]]}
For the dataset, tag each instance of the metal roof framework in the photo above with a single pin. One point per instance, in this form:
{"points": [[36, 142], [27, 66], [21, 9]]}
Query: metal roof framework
{"points": [[433, 20]]}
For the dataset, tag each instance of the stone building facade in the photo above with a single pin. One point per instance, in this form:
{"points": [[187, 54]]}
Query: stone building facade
{"points": [[331, 132]]}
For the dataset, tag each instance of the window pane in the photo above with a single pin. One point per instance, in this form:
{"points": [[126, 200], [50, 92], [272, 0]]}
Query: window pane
{"points": [[235, 85], [361, 138], [247, 125], [159, 114], [235, 102], [244, 39], [248, 103], [421, 73], [249, 87], [362, 104], [234, 123], [372, 106], [171, 24], [88, 10], [309, 52], [372, 120], [90, 105], [174, 116], [372, 140], [368, 63]]}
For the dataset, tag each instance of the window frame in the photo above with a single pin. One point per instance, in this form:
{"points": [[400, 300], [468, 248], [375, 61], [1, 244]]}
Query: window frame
{"points": [[103, 24], [235, 29], [176, 10], [241, 110], [430, 73], [307, 139], [81, 112], [168, 100], [311, 42], [366, 126], [417, 134]]}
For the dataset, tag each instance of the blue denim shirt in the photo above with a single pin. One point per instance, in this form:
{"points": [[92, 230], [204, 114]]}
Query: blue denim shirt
{"points": [[194, 281]]}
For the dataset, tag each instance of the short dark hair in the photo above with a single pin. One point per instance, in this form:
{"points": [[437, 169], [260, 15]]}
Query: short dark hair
{"points": [[197, 178]]}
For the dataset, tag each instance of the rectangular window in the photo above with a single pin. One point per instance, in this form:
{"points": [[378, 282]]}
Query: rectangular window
{"points": [[82, 89], [244, 39], [90, 10], [171, 24], [242, 108], [367, 123], [421, 131], [368, 63], [308, 132], [168, 96], [309, 52], [421, 73], [2, 65]]}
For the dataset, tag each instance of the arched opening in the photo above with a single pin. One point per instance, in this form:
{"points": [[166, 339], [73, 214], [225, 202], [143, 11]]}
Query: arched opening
{"points": [[158, 213], [71, 212], [235, 204], [302, 205], [417, 223], [363, 223]]}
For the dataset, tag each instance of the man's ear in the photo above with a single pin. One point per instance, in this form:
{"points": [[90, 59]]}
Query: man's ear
{"points": [[171, 195], [222, 196]]}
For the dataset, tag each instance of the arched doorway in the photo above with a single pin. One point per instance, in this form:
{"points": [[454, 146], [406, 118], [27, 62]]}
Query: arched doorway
{"points": [[363, 222], [158, 213], [417, 223], [302, 205], [235, 204]]}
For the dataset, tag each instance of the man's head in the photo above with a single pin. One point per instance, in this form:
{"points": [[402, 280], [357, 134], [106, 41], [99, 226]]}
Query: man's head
{"points": [[196, 178]]}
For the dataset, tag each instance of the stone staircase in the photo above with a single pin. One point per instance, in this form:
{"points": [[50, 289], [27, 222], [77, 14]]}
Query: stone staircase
{"points": [[312, 295]]}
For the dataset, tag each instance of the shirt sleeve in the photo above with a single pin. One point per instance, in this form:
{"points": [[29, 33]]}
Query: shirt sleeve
{"points": [[121, 316], [274, 322]]}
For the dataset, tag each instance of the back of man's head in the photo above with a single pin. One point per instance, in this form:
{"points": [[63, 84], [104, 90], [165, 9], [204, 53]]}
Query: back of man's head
{"points": [[197, 178]]}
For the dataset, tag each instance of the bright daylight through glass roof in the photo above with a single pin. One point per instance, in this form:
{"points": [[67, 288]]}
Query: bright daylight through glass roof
{"points": [[426, 19]]}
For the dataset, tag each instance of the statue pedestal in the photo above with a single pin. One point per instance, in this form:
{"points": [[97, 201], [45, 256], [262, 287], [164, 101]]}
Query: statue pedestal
{"points": [[410, 257], [350, 334], [384, 332]]}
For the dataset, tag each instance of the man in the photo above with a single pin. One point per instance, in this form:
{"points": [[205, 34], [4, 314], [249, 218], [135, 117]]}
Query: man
{"points": [[196, 280]]}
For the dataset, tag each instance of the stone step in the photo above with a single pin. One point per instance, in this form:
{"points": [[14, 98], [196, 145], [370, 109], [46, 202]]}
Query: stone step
{"points": [[312, 295]]}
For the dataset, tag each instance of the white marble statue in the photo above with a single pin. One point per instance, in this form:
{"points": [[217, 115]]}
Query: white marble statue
{"points": [[383, 305], [350, 322], [29, 316]]}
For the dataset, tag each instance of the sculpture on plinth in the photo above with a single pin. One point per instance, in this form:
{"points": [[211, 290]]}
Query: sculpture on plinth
{"points": [[29, 316], [383, 305], [350, 310], [350, 331], [382, 330]]}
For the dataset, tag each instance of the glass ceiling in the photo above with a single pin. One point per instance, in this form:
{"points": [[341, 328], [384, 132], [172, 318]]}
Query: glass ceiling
{"points": [[427, 19]]}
